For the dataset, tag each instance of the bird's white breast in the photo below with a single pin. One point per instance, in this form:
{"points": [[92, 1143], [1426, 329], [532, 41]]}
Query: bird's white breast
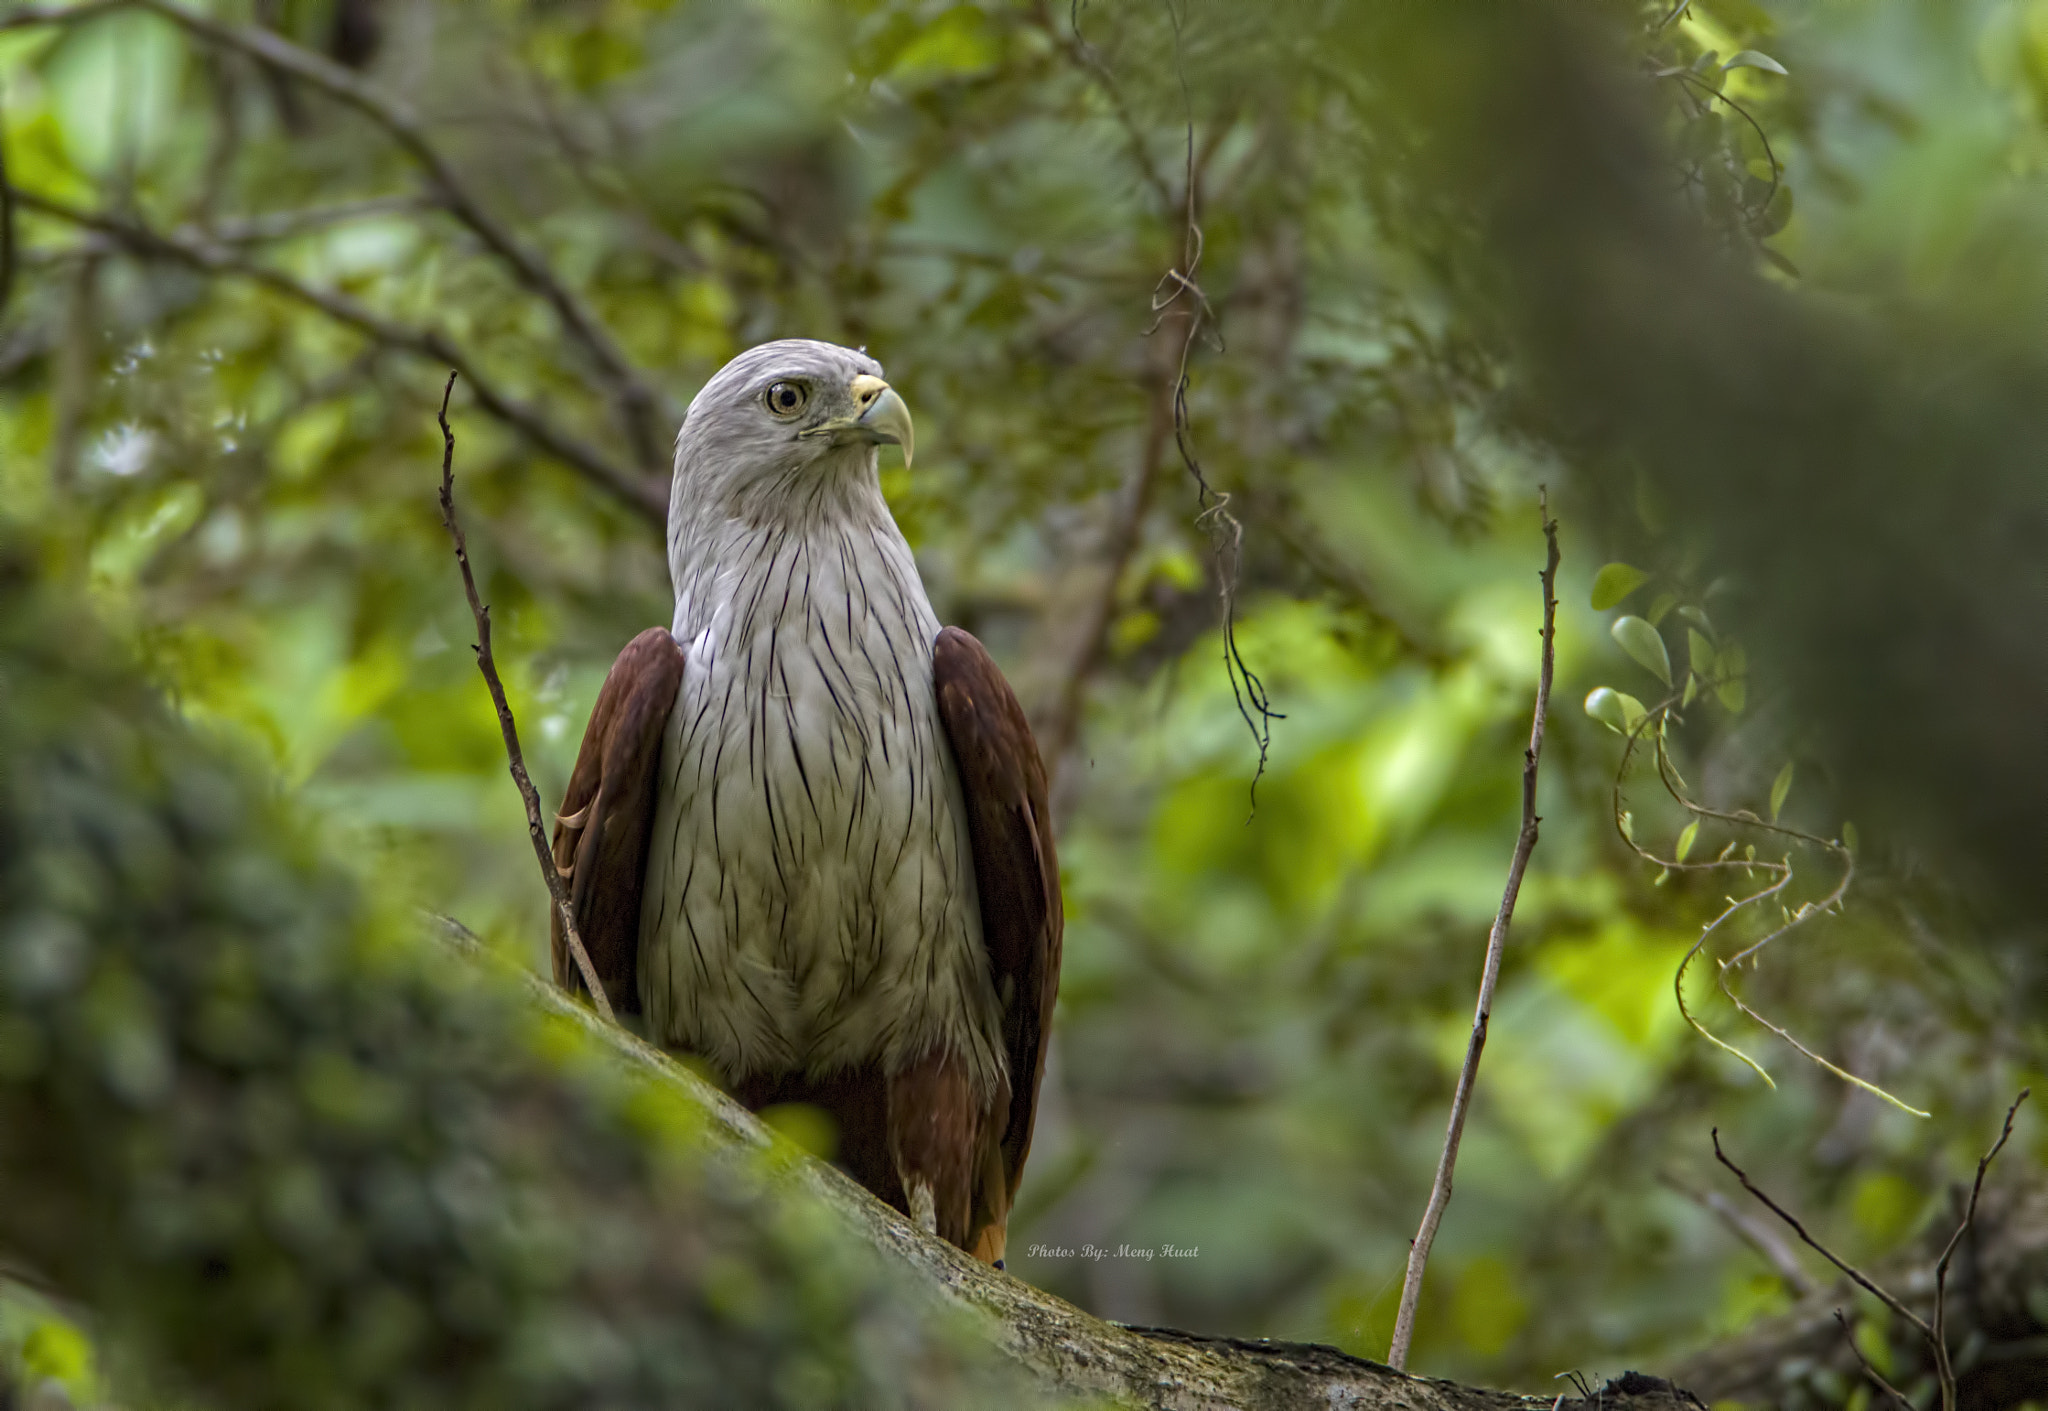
{"points": [[811, 900]]}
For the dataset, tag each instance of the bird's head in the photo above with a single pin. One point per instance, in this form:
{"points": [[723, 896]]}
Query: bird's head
{"points": [[784, 425]]}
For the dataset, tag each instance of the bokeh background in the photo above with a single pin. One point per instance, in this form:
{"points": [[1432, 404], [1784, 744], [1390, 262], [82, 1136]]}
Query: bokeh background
{"points": [[239, 276]]}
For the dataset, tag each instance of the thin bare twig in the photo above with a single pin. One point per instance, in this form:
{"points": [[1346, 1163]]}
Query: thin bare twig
{"points": [[1084, 56], [528, 795], [641, 409], [1688, 76], [1856, 1275], [1934, 1334], [1758, 1237], [1175, 293], [1654, 725], [639, 491], [1226, 533], [1063, 724], [1940, 1333], [1496, 943], [1876, 1377]]}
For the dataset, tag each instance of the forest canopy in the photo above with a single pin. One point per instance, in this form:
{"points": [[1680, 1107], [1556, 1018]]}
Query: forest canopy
{"points": [[1240, 340]]}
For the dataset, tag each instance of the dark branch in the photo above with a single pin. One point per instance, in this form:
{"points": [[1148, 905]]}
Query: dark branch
{"points": [[1084, 56], [1877, 1378], [1779, 1358], [1862, 1281], [1063, 724], [33, 16], [1226, 533], [281, 225], [528, 795], [640, 408], [1940, 1332], [1758, 1237], [643, 494], [1496, 942], [638, 402], [1935, 1334]]}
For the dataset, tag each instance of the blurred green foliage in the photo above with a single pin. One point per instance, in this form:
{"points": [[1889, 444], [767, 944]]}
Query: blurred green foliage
{"points": [[1263, 1006], [289, 1155]]}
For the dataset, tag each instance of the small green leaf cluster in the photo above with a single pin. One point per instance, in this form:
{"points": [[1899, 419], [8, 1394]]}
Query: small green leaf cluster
{"points": [[1723, 147], [1715, 663]]}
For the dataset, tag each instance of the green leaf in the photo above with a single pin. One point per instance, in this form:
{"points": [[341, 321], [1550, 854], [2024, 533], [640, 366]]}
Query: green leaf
{"points": [[1699, 652], [1780, 787], [1685, 839], [1649, 504], [1698, 618], [1849, 838], [1614, 582], [1660, 606], [1640, 640], [1692, 687], [1628, 826], [1754, 59], [55, 1349], [1733, 691], [1617, 710]]}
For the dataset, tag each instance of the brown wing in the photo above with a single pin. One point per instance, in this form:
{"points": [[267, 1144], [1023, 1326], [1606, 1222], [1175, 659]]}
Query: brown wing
{"points": [[1017, 873], [601, 834]]}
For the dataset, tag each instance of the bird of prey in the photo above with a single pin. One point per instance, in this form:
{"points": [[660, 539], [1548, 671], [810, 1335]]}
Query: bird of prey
{"points": [[807, 836]]}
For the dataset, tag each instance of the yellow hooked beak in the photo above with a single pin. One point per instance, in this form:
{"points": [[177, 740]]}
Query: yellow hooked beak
{"points": [[882, 418]]}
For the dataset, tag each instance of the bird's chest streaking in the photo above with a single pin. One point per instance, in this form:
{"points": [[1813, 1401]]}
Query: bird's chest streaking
{"points": [[811, 902]]}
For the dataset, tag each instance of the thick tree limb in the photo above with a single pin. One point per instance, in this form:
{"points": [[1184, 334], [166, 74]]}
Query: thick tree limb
{"points": [[1064, 1351], [1496, 942], [290, 1157], [643, 493]]}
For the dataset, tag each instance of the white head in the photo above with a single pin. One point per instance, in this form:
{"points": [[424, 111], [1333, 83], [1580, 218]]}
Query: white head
{"points": [[785, 431]]}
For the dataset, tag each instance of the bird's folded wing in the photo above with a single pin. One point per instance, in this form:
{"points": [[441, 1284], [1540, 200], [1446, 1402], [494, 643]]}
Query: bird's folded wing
{"points": [[1016, 871], [601, 833]]}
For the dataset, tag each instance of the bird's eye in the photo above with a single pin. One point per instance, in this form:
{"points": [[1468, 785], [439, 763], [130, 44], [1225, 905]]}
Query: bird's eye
{"points": [[786, 399]]}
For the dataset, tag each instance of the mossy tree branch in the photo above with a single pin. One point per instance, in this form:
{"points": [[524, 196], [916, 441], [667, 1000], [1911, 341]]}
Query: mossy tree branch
{"points": [[290, 1154]]}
